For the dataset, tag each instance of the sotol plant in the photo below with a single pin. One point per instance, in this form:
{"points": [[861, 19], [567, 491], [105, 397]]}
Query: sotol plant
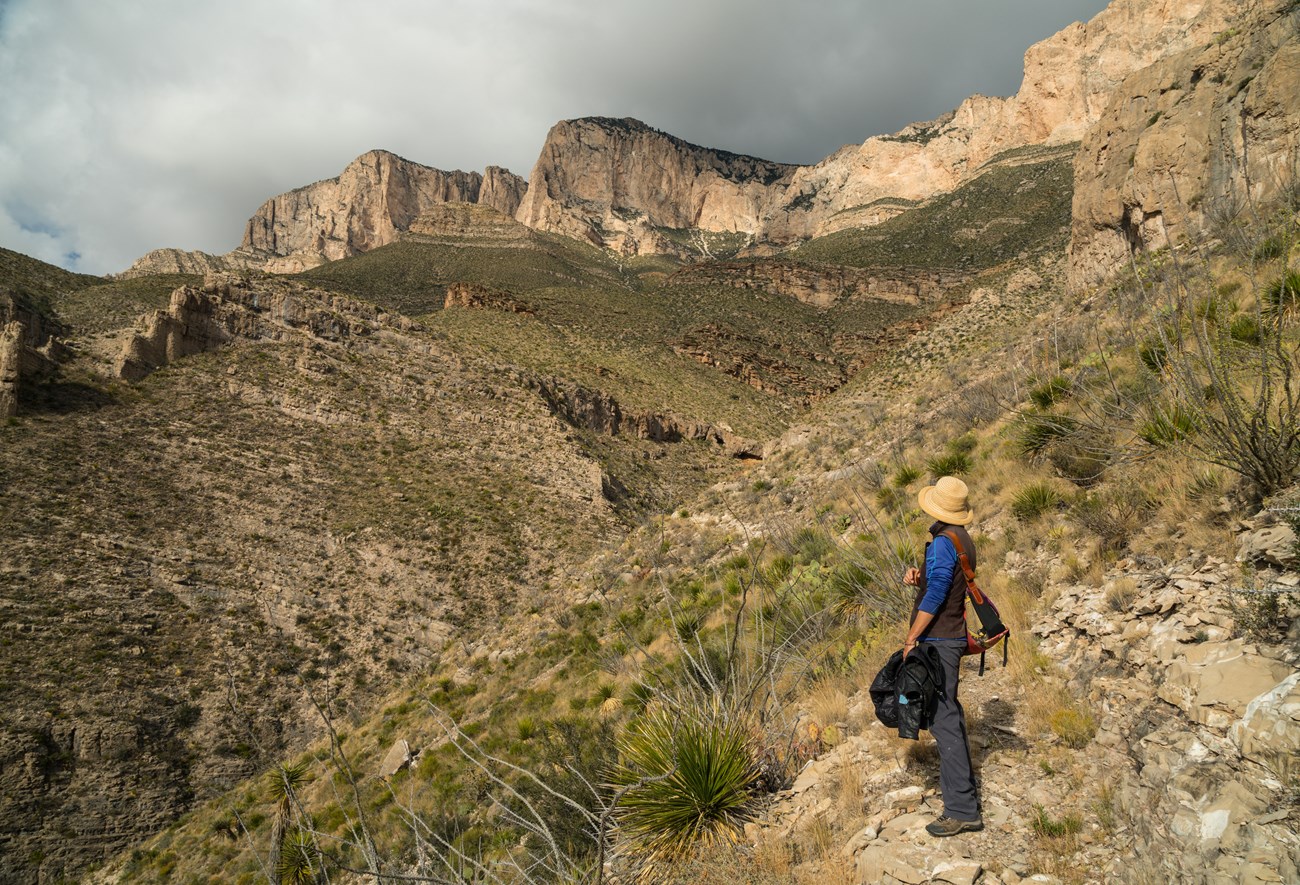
{"points": [[690, 779]]}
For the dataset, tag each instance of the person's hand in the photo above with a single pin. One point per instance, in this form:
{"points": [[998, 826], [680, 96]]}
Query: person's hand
{"points": [[912, 577], [907, 648]]}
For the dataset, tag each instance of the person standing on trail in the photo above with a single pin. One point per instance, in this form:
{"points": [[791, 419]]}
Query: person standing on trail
{"points": [[939, 618]]}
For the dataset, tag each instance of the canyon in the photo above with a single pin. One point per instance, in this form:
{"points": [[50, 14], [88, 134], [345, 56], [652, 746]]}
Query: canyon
{"points": [[422, 429]]}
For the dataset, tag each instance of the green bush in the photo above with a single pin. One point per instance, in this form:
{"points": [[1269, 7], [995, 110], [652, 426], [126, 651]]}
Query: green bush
{"points": [[1033, 501], [1154, 353], [811, 544], [951, 464], [690, 780]]}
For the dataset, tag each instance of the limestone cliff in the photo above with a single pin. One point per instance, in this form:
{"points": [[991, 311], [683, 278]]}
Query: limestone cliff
{"points": [[1197, 135], [823, 285], [366, 206], [1068, 82], [619, 183], [502, 190], [201, 319], [377, 195]]}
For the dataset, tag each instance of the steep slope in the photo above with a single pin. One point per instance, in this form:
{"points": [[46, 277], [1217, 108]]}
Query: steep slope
{"points": [[262, 487]]}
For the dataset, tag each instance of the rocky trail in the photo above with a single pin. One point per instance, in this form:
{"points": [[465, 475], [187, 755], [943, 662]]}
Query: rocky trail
{"points": [[1190, 776]]}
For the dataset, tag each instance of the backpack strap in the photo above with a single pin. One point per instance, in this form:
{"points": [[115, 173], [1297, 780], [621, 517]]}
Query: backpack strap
{"points": [[972, 588]]}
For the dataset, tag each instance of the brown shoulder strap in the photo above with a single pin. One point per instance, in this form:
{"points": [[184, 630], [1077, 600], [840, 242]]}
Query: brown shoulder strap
{"points": [[961, 556]]}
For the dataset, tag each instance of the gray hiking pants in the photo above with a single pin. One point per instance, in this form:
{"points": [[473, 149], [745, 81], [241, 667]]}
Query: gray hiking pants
{"points": [[956, 779]]}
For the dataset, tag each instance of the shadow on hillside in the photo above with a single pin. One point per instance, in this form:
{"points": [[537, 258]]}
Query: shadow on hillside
{"points": [[62, 397]]}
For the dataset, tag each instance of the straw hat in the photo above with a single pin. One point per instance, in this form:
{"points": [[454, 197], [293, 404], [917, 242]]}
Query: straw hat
{"points": [[946, 501]]}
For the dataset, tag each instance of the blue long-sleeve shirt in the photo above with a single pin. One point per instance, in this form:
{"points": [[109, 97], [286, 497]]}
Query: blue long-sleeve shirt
{"points": [[940, 565]]}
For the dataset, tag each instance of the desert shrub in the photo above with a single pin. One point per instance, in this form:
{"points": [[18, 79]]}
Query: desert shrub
{"points": [[1243, 388], [951, 464], [1245, 329], [1269, 248], [1075, 728], [1283, 293], [1033, 501], [1045, 825], [1257, 613], [1167, 426], [1051, 391], [1120, 596], [1082, 456], [1114, 516], [1153, 353], [690, 781], [1036, 432], [811, 544], [964, 444]]}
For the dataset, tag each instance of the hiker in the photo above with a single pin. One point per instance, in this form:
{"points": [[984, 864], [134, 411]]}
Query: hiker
{"points": [[939, 619]]}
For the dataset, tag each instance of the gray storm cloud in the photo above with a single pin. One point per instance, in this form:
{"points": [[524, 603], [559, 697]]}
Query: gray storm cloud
{"points": [[127, 127]]}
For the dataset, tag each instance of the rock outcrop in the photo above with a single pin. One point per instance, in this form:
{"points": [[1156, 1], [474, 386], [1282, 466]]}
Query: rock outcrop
{"points": [[201, 319], [597, 411], [502, 190], [620, 184], [1190, 139], [29, 350], [1197, 715], [377, 197], [823, 285], [465, 224], [181, 261], [471, 296]]}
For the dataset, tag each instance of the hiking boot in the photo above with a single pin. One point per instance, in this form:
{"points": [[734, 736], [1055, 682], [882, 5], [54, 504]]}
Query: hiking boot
{"points": [[947, 826]]}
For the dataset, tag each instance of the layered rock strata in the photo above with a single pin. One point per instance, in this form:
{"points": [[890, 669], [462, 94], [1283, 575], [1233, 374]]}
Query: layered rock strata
{"points": [[821, 285], [598, 411]]}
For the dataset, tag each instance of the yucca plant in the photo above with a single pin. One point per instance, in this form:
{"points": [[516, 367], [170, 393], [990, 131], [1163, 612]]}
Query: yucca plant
{"points": [[689, 780], [905, 475], [299, 862], [285, 780], [1167, 426], [1049, 392], [1033, 501], [951, 464], [1283, 294]]}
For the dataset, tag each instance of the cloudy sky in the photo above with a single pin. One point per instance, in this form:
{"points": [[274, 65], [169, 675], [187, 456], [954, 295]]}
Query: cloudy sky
{"points": [[132, 125]]}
